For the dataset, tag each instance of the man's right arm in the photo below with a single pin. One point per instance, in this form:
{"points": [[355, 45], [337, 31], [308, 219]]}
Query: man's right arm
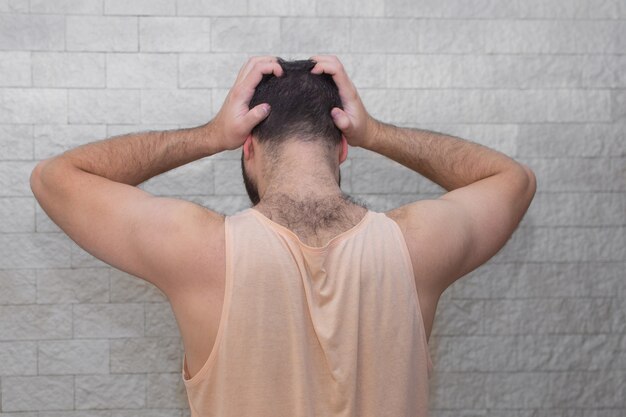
{"points": [[488, 195], [488, 192]]}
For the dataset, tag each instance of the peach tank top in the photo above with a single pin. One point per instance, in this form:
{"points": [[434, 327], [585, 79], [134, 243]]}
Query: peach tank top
{"points": [[315, 331]]}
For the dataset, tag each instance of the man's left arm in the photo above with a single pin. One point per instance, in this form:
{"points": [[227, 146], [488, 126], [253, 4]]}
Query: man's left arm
{"points": [[90, 191]]}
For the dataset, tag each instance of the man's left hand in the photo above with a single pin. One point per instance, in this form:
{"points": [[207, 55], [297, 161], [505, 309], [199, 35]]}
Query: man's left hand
{"points": [[235, 120]]}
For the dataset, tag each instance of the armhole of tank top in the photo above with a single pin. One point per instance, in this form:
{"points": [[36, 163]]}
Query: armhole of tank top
{"points": [[407, 259], [228, 288]]}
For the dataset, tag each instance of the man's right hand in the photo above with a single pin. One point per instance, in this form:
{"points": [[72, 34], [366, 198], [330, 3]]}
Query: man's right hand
{"points": [[354, 121]]}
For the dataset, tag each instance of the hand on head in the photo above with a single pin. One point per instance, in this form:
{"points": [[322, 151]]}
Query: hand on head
{"points": [[235, 120], [353, 121]]}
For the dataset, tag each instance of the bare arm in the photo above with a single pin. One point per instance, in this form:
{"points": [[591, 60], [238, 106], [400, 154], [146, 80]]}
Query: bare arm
{"points": [[90, 193], [488, 192]]}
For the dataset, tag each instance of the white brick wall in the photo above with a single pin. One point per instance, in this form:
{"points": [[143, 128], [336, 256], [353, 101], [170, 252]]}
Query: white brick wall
{"points": [[539, 330]]}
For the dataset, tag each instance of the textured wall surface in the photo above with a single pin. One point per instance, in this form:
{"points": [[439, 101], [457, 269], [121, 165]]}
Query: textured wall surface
{"points": [[539, 330]]}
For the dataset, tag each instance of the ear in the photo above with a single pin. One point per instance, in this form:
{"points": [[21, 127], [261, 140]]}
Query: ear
{"points": [[248, 148], [343, 153]]}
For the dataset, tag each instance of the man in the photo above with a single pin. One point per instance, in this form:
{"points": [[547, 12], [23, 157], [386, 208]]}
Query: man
{"points": [[307, 303]]}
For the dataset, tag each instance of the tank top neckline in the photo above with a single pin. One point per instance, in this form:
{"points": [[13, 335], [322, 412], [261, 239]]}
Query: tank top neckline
{"points": [[286, 231]]}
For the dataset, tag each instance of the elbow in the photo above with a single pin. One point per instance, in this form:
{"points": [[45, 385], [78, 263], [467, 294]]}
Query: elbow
{"points": [[35, 176], [530, 183]]}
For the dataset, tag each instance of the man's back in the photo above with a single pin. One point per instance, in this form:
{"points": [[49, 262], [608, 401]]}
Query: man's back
{"points": [[322, 330]]}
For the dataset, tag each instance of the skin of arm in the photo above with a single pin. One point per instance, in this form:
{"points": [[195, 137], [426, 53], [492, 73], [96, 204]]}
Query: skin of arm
{"points": [[90, 191], [488, 192]]}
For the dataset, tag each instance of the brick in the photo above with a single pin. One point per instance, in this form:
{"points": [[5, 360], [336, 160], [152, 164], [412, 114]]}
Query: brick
{"points": [[18, 358], [98, 33], [140, 7], [73, 413], [88, 285], [142, 71], [194, 178], [53, 140], [384, 36], [128, 288], [66, 6], [18, 286], [17, 214], [32, 32], [576, 209], [516, 390], [152, 412], [211, 8], [365, 70], [383, 176], [15, 69], [228, 177], [458, 390], [566, 352], [34, 250], [116, 130], [175, 106], [349, 8], [618, 106], [52, 69], [584, 388], [16, 142], [210, 70], [325, 35], [557, 36], [14, 6], [24, 393], [450, 36], [164, 390], [160, 320], [532, 9], [564, 244], [576, 140], [33, 106], [376, 103], [486, 71], [110, 391], [246, 34], [539, 280], [474, 353], [608, 71], [558, 316], [281, 8], [104, 106], [108, 320], [35, 322], [576, 174], [497, 106], [461, 317], [218, 96], [62, 357], [145, 354], [174, 34]]}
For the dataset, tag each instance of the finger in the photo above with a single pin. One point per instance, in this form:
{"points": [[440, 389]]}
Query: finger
{"points": [[248, 66], [254, 76], [340, 118], [347, 90], [255, 116]]}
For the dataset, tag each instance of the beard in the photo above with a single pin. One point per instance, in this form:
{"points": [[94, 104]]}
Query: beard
{"points": [[251, 185]]}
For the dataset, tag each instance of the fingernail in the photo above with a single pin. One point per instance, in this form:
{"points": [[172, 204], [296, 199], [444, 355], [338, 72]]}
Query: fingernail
{"points": [[266, 108]]}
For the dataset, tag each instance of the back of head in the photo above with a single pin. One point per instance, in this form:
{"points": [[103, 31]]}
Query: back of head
{"points": [[300, 107]]}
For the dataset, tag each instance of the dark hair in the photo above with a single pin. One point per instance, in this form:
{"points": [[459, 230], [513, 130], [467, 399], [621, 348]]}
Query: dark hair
{"points": [[300, 106]]}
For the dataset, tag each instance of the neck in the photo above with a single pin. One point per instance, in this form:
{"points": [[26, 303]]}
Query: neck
{"points": [[302, 186]]}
